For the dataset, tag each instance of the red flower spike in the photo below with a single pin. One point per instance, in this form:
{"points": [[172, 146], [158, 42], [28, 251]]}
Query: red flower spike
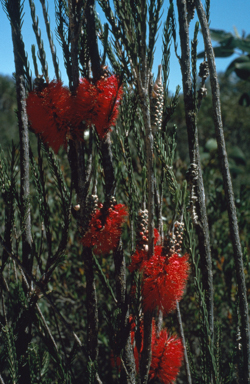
{"points": [[164, 280], [56, 115], [167, 355], [83, 103], [47, 110], [105, 237], [107, 104], [98, 103]]}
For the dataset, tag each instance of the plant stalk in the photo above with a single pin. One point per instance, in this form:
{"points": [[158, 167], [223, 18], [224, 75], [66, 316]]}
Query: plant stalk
{"points": [[24, 145], [196, 172], [147, 353]]}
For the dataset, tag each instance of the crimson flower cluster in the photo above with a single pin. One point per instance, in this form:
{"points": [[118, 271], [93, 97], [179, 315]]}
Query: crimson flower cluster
{"points": [[57, 115], [103, 237], [164, 278], [167, 353]]}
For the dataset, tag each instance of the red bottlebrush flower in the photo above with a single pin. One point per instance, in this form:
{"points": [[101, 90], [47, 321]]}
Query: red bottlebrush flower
{"points": [[55, 114], [105, 237], [107, 104], [164, 280], [98, 103], [83, 103], [47, 111], [167, 355]]}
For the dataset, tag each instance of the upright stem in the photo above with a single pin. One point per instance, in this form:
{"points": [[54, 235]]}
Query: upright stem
{"points": [[228, 188], [74, 37], [196, 174], [92, 40], [108, 168], [91, 300], [24, 147], [123, 337], [77, 153], [51, 44], [147, 353], [188, 373], [23, 337]]}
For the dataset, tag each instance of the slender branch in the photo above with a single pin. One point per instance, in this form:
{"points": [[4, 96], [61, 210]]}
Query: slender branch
{"points": [[37, 31], [196, 172], [47, 211], [77, 151], [143, 55], [123, 337], [92, 40], [107, 162], [144, 100], [146, 354], [91, 303], [74, 38], [189, 378], [24, 144], [228, 188], [51, 44], [46, 326]]}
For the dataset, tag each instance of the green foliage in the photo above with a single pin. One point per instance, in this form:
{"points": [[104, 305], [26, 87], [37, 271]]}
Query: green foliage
{"points": [[10, 353], [7, 112]]}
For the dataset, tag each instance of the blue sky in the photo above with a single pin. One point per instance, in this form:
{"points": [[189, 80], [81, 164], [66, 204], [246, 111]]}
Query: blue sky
{"points": [[225, 14]]}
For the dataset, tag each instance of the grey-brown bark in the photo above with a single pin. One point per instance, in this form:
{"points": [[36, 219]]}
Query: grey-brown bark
{"points": [[196, 173], [128, 374], [24, 155]]}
